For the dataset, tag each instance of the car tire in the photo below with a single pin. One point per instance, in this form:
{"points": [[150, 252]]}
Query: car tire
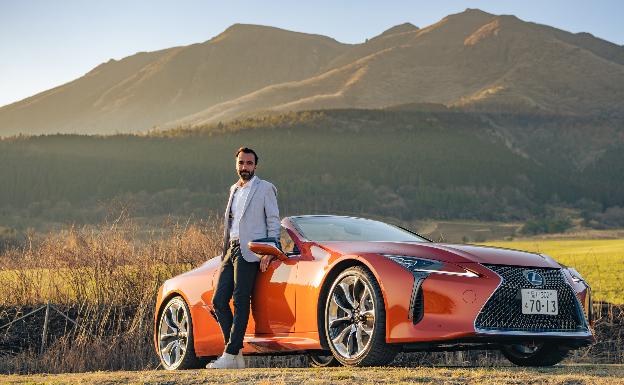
{"points": [[322, 360], [175, 337], [542, 354], [355, 320]]}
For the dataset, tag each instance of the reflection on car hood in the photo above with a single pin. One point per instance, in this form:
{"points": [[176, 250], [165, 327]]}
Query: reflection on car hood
{"points": [[444, 252], [211, 264]]}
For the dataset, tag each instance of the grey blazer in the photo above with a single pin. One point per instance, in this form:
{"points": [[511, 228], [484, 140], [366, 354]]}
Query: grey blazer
{"points": [[260, 217]]}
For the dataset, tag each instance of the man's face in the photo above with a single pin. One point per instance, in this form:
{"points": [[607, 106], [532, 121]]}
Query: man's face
{"points": [[245, 165]]}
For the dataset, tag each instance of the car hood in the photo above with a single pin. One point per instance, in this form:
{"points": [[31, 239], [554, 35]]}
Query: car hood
{"points": [[444, 252]]}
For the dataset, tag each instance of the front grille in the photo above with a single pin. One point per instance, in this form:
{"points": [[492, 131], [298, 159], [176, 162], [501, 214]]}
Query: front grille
{"points": [[503, 311]]}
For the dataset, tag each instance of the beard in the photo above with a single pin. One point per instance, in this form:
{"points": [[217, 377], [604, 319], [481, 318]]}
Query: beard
{"points": [[246, 175]]}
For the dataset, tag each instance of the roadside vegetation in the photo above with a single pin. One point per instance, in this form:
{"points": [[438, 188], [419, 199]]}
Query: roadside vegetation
{"points": [[105, 277]]}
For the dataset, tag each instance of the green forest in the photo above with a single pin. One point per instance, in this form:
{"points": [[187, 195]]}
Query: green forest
{"points": [[386, 163]]}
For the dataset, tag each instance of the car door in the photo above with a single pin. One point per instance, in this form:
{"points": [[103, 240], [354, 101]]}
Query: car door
{"points": [[273, 299]]}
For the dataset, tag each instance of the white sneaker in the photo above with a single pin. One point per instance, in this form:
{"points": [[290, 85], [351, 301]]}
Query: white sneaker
{"points": [[240, 361], [225, 361]]}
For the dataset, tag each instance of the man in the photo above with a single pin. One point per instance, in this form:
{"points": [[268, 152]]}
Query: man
{"points": [[251, 213]]}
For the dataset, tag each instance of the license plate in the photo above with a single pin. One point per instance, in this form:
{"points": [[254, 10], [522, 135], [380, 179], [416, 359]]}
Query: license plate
{"points": [[539, 302]]}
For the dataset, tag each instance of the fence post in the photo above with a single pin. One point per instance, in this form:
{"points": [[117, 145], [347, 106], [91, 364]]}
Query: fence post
{"points": [[44, 335]]}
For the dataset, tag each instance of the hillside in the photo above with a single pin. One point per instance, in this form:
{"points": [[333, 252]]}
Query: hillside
{"points": [[403, 164], [473, 60]]}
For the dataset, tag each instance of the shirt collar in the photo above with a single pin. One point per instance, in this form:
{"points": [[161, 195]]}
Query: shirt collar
{"points": [[251, 181]]}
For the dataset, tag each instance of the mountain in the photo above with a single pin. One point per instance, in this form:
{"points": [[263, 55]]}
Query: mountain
{"points": [[473, 60], [145, 89]]}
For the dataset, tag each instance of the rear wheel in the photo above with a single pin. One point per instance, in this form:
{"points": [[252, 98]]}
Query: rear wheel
{"points": [[355, 320], [175, 337], [535, 354]]}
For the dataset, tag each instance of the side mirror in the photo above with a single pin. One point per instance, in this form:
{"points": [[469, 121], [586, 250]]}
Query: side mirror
{"points": [[267, 248]]}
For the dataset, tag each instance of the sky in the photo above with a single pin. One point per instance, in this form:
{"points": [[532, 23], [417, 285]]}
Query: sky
{"points": [[46, 43]]}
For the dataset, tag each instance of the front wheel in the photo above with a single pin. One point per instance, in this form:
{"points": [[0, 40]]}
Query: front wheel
{"points": [[535, 354], [175, 337], [355, 320]]}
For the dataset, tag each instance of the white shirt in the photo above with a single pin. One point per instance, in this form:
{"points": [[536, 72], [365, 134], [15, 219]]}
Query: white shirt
{"points": [[238, 203]]}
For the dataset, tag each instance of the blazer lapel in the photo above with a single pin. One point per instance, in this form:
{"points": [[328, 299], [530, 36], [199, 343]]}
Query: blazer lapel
{"points": [[229, 204], [227, 221]]}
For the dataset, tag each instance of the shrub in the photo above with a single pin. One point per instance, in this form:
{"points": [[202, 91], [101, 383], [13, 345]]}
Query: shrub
{"points": [[546, 225]]}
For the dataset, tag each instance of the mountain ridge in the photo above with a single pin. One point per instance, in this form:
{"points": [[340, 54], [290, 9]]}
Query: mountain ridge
{"points": [[472, 59]]}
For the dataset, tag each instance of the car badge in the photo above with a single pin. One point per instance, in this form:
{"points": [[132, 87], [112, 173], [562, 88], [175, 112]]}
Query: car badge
{"points": [[534, 278]]}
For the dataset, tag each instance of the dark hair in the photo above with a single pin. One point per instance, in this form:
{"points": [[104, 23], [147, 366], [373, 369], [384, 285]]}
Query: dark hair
{"points": [[247, 150]]}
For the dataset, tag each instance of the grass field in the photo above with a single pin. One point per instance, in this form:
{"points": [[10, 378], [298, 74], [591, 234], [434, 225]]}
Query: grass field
{"points": [[576, 374], [601, 262]]}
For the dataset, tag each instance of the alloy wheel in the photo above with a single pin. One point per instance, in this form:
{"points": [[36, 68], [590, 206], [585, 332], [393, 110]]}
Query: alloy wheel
{"points": [[173, 333], [350, 316]]}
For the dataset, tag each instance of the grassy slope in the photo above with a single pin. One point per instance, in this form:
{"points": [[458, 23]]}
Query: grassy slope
{"points": [[405, 165], [601, 262], [594, 374]]}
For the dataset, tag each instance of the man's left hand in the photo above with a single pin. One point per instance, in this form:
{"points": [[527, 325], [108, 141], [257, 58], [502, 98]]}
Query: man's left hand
{"points": [[265, 260]]}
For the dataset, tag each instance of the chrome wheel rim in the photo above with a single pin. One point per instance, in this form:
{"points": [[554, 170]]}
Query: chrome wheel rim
{"points": [[350, 318], [173, 333]]}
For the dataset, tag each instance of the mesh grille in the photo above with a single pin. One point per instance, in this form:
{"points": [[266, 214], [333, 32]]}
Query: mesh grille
{"points": [[503, 311]]}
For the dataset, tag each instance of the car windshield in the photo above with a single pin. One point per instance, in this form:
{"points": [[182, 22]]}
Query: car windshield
{"points": [[329, 228]]}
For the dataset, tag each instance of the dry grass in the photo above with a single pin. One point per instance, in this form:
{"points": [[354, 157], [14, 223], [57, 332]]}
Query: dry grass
{"points": [[586, 374], [106, 280], [105, 265]]}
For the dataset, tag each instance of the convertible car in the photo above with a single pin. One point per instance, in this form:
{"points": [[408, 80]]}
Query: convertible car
{"points": [[355, 292]]}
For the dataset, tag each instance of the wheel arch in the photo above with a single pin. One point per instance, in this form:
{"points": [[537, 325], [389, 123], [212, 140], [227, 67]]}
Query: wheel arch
{"points": [[335, 270]]}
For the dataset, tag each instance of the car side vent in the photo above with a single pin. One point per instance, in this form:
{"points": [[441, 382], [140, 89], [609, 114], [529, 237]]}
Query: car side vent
{"points": [[419, 307], [417, 300]]}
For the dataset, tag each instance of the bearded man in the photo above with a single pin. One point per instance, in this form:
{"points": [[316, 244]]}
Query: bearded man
{"points": [[251, 213]]}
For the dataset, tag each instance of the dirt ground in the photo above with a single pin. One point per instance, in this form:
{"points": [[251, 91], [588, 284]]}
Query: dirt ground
{"points": [[562, 374]]}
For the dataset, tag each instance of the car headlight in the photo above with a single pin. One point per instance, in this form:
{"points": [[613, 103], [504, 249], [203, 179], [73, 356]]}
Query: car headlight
{"points": [[422, 265], [576, 276]]}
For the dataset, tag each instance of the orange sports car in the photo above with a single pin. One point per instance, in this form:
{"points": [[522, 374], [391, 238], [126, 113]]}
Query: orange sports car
{"points": [[356, 291]]}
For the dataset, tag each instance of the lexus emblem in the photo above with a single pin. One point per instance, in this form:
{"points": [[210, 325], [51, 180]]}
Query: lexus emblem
{"points": [[534, 277]]}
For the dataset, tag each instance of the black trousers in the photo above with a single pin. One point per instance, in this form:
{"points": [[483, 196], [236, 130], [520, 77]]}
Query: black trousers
{"points": [[236, 279]]}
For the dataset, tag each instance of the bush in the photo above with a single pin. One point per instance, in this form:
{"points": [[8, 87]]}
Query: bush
{"points": [[546, 225], [612, 217]]}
